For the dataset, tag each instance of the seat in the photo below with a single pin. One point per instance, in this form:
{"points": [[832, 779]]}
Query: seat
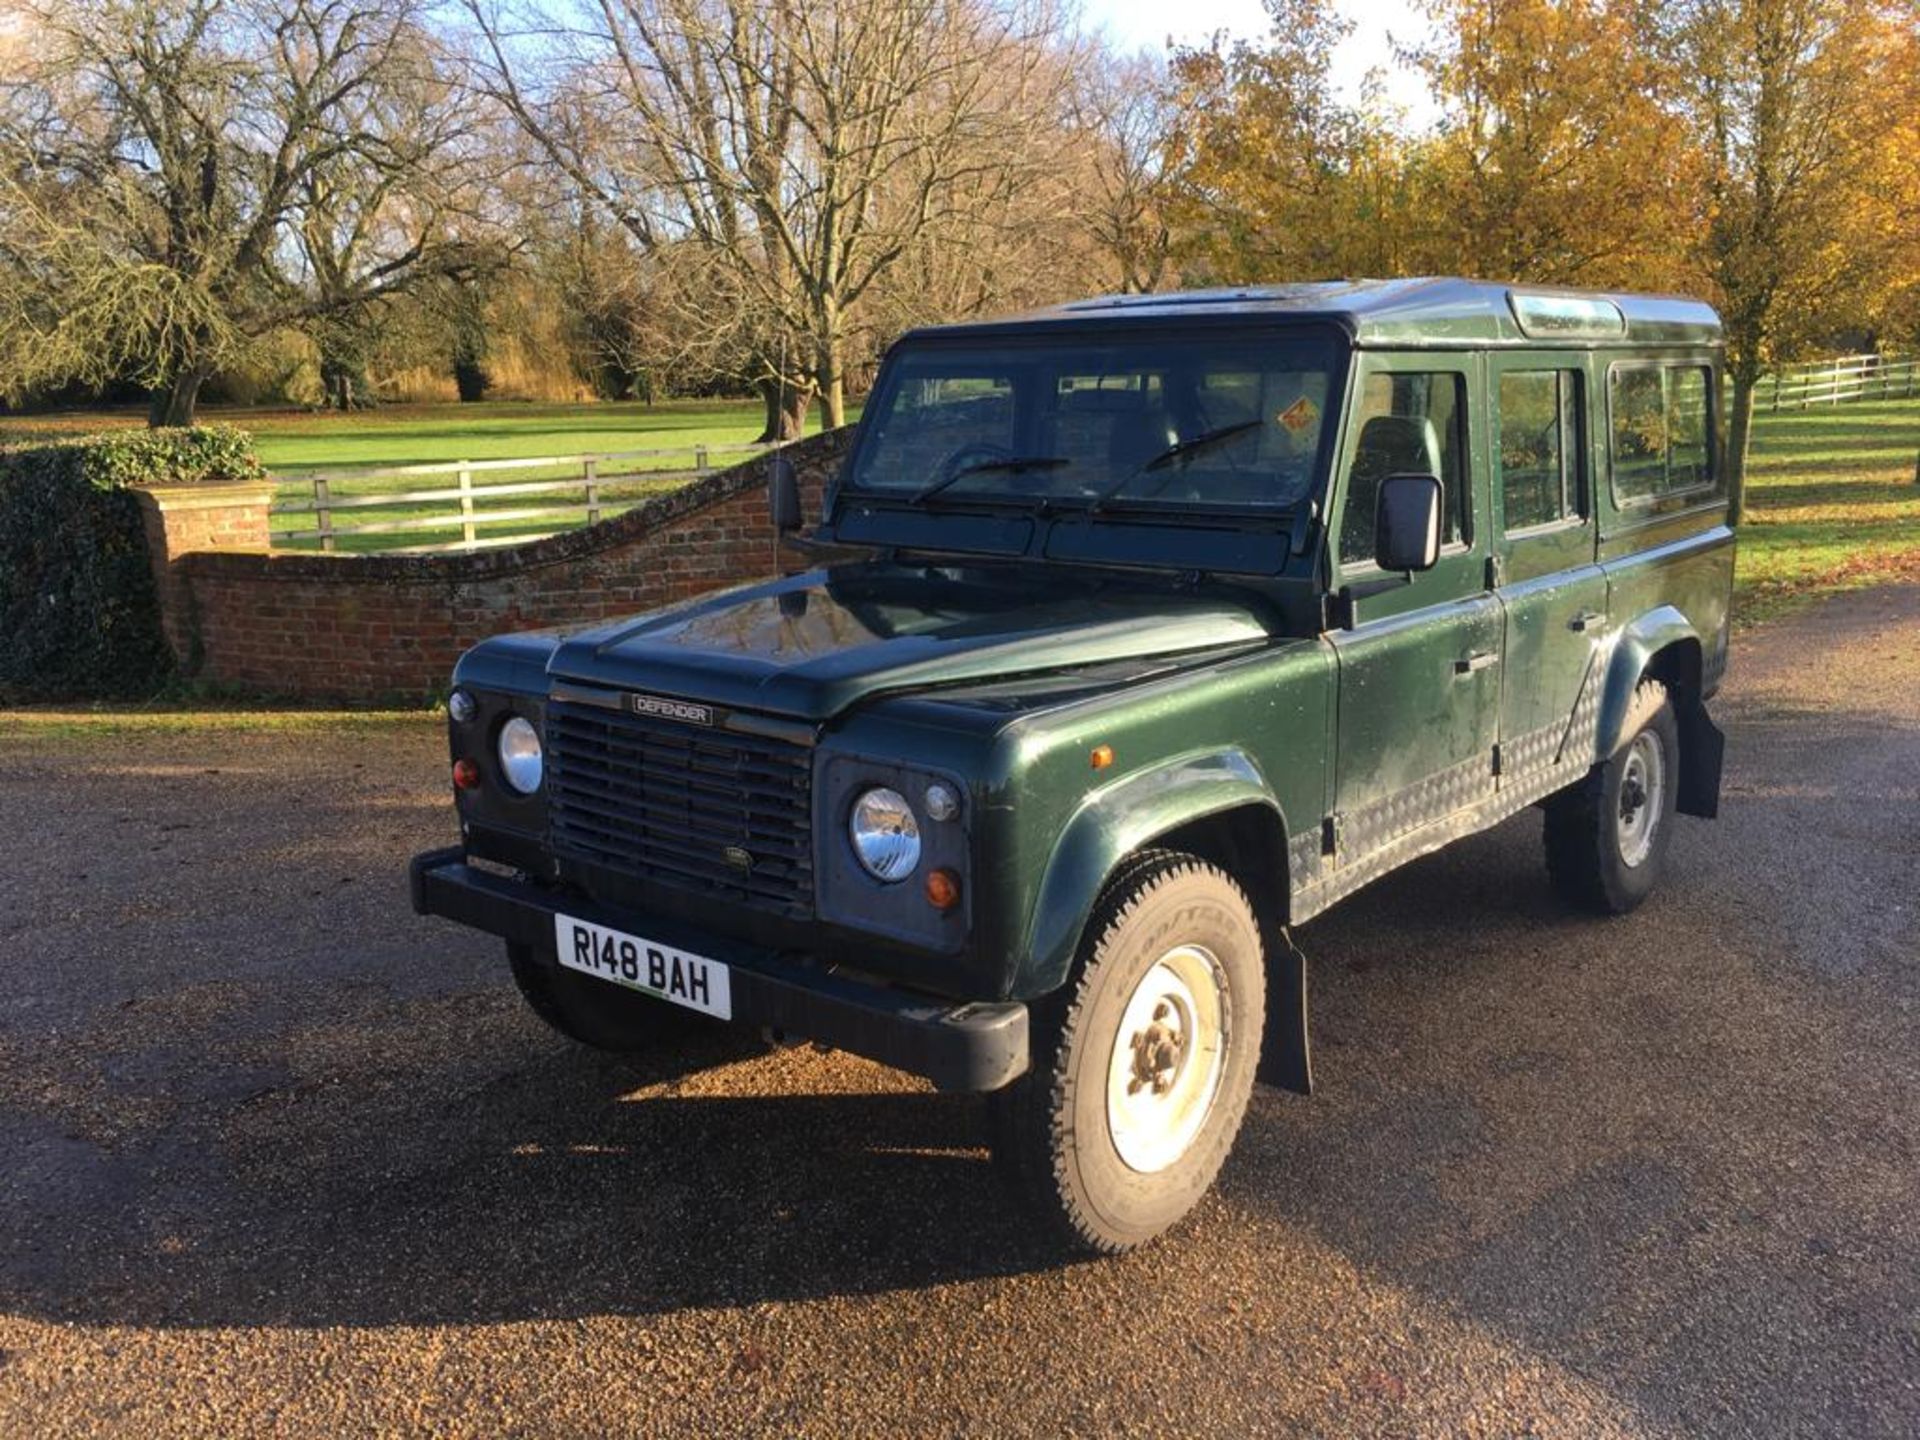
{"points": [[1389, 445]]}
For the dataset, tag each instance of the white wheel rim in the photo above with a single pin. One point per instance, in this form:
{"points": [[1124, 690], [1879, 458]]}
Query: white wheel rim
{"points": [[1169, 1054], [1643, 793]]}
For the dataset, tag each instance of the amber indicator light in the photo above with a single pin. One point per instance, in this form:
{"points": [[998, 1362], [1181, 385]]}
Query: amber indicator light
{"points": [[466, 775], [943, 889], [1102, 756]]}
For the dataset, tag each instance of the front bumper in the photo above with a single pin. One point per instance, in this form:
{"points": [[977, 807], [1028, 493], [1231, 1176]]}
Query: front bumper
{"points": [[970, 1046]]}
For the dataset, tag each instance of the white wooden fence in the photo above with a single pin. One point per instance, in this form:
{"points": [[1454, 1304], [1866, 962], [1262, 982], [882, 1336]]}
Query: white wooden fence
{"points": [[466, 504], [1833, 382]]}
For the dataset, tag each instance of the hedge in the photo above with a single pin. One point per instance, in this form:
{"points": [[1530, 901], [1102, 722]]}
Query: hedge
{"points": [[79, 616]]}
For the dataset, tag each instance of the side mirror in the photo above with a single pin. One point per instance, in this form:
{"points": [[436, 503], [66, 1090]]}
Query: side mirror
{"points": [[1406, 527], [783, 495]]}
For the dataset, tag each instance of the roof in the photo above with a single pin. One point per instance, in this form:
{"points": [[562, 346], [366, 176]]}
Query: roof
{"points": [[1429, 312]]}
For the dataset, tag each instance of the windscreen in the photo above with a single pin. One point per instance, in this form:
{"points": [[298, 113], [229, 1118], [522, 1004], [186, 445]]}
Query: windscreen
{"points": [[1142, 421]]}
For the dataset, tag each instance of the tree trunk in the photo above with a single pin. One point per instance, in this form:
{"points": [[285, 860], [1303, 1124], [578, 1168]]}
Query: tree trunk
{"points": [[1739, 433], [786, 411], [833, 388], [342, 383], [174, 404]]}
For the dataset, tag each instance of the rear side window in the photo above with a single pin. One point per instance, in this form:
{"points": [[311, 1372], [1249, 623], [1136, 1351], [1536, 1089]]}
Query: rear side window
{"points": [[1662, 441], [1540, 447], [1411, 423]]}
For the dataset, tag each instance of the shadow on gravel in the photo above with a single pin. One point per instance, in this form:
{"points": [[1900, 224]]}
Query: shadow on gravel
{"points": [[550, 1190]]}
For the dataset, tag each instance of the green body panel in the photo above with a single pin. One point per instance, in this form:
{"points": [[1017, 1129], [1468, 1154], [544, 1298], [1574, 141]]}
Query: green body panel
{"points": [[1113, 822], [1689, 576], [1651, 634], [811, 647], [1250, 732], [1412, 708]]}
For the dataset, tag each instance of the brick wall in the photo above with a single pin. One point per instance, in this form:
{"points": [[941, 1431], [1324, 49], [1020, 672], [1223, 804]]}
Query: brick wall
{"points": [[366, 627], [179, 520]]}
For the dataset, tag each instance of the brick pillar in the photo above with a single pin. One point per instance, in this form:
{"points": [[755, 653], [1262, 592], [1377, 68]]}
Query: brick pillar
{"points": [[180, 519]]}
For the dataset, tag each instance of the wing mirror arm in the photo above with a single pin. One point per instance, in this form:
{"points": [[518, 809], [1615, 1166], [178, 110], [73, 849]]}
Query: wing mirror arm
{"points": [[1344, 601]]}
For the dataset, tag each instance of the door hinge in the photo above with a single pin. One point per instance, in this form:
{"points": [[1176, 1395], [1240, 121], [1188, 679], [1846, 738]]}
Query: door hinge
{"points": [[1330, 835], [1496, 760], [1496, 572]]}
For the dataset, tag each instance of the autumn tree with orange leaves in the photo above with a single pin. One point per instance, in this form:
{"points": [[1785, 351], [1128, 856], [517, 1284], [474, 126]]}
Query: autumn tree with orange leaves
{"points": [[1764, 153]]}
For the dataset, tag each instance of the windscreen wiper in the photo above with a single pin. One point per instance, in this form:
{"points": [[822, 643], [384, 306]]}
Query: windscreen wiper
{"points": [[1172, 455], [1012, 463]]}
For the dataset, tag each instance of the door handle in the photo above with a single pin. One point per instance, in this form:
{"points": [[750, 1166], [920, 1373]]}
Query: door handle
{"points": [[1585, 619], [1473, 664]]}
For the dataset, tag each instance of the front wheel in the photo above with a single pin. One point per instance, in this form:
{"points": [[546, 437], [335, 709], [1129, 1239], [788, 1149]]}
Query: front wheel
{"points": [[1607, 837], [1143, 1063]]}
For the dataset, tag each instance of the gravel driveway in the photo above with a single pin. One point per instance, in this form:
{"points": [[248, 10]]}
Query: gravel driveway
{"points": [[276, 1157]]}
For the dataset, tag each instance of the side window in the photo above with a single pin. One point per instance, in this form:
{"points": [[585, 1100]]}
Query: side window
{"points": [[1662, 442], [1540, 447], [1409, 423], [1689, 463]]}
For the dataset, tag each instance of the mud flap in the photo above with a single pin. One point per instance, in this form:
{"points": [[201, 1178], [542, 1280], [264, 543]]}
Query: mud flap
{"points": [[1703, 750], [1286, 1061]]}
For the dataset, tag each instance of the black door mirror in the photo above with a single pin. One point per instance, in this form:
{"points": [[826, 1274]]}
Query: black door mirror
{"points": [[1406, 529], [783, 495]]}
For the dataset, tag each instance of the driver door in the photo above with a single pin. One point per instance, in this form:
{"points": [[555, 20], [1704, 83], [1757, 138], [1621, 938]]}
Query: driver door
{"points": [[1418, 708]]}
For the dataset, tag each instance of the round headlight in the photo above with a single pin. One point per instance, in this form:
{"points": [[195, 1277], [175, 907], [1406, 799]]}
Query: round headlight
{"points": [[461, 707], [520, 759], [885, 834]]}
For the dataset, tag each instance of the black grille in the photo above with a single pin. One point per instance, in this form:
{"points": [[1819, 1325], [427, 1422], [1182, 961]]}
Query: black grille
{"points": [[683, 805]]}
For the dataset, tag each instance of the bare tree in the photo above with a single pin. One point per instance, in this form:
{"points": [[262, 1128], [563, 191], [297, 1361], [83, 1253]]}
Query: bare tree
{"points": [[1124, 107], [162, 160], [405, 202], [799, 150]]}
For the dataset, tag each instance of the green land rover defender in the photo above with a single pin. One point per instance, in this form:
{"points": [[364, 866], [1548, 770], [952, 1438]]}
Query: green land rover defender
{"points": [[1145, 629]]}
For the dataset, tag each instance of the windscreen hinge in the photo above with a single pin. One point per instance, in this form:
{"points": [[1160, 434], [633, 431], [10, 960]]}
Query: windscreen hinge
{"points": [[1302, 531]]}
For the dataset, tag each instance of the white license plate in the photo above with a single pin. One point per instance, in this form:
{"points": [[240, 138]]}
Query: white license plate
{"points": [[645, 965]]}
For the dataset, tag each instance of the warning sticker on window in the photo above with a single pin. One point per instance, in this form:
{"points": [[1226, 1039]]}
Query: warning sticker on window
{"points": [[1301, 415]]}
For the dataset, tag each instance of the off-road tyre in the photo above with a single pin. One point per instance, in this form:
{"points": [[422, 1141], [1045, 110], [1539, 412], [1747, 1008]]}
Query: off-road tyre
{"points": [[1587, 854], [598, 1013], [1051, 1134]]}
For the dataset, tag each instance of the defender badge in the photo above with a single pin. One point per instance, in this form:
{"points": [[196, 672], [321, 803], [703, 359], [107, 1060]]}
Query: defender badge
{"points": [[664, 707], [738, 858]]}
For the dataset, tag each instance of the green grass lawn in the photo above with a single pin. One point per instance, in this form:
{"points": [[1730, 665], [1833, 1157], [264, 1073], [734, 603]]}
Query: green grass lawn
{"points": [[1832, 505], [295, 441], [295, 445], [1833, 500]]}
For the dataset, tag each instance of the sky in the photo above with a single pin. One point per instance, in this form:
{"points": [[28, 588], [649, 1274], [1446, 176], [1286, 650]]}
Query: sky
{"points": [[1147, 24]]}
